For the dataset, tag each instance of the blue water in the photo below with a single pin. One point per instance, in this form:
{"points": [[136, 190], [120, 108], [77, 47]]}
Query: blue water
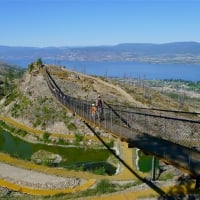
{"points": [[137, 70], [190, 72]]}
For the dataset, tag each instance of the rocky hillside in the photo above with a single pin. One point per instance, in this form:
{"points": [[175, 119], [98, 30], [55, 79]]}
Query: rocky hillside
{"points": [[112, 91], [32, 103]]}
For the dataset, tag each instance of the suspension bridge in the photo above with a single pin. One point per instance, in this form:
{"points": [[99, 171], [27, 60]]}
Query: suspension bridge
{"points": [[161, 133]]}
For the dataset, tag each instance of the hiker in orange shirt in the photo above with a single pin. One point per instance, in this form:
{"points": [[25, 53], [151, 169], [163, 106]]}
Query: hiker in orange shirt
{"points": [[93, 111]]}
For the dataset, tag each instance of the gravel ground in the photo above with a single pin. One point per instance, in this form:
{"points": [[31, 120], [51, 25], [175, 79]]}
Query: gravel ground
{"points": [[41, 180], [35, 179]]}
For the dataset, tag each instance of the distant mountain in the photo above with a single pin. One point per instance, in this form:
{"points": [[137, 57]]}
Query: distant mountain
{"points": [[184, 52], [168, 48]]}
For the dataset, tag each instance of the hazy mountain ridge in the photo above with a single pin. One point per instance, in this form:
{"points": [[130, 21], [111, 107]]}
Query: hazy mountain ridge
{"points": [[181, 52]]}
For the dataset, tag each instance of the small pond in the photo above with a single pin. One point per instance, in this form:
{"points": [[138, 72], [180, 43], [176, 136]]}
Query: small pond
{"points": [[143, 161], [88, 159], [72, 157]]}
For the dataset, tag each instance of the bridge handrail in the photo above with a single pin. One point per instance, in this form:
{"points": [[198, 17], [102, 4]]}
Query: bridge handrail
{"points": [[158, 116], [146, 124], [161, 110]]}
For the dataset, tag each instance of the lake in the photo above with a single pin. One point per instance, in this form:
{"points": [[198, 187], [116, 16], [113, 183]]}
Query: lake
{"points": [[137, 70], [121, 69]]}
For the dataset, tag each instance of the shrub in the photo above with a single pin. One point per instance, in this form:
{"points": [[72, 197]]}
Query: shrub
{"points": [[46, 136], [71, 127], [100, 171], [111, 144], [11, 97], [30, 67], [23, 133], [104, 186], [61, 141], [39, 62], [78, 137]]}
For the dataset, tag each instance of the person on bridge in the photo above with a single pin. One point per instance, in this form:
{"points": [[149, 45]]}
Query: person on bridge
{"points": [[99, 105], [93, 111]]}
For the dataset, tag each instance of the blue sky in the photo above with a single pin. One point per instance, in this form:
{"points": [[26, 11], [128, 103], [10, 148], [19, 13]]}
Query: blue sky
{"points": [[43, 23]]}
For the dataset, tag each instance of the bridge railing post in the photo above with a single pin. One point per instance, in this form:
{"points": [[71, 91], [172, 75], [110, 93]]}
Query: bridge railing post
{"points": [[153, 174], [111, 120]]}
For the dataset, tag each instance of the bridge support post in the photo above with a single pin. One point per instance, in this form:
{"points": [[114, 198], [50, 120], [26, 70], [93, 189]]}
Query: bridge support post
{"points": [[153, 174], [197, 185]]}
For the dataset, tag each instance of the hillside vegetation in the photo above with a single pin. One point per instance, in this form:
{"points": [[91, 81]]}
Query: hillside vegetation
{"points": [[9, 76]]}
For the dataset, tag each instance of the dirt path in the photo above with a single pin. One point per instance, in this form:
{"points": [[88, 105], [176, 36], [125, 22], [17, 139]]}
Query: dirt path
{"points": [[120, 90]]}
